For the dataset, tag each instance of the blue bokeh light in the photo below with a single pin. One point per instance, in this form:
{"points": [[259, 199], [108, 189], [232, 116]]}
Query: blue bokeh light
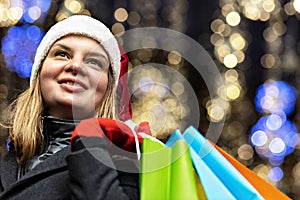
{"points": [[275, 96], [44, 5], [33, 9], [19, 47], [146, 84], [27, 17], [24, 66], [275, 174], [274, 122], [8, 47], [274, 137], [33, 33], [259, 138], [277, 146], [14, 33]]}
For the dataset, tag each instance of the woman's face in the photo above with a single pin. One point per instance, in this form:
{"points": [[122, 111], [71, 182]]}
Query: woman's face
{"points": [[74, 77]]}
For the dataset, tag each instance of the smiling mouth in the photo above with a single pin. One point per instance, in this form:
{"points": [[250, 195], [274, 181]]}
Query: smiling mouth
{"points": [[69, 83], [72, 86]]}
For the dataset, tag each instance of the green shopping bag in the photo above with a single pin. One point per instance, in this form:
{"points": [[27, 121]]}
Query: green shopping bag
{"points": [[167, 172]]}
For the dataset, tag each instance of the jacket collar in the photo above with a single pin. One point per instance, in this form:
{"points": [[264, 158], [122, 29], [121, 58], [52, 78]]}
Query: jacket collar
{"points": [[53, 129], [58, 128], [57, 134]]}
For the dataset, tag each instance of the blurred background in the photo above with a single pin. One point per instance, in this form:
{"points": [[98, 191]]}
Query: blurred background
{"points": [[255, 44]]}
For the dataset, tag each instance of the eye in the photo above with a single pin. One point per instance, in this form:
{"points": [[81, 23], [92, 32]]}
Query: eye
{"points": [[62, 54], [94, 63]]}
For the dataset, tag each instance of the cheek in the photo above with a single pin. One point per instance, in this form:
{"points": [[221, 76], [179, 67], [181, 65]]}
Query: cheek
{"points": [[45, 85], [47, 72], [102, 84], [45, 76], [101, 87]]}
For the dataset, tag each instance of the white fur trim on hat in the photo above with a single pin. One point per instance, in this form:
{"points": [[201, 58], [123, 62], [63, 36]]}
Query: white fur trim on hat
{"points": [[82, 25]]}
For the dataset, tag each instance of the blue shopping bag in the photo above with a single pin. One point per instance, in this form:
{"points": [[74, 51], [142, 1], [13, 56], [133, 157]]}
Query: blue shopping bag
{"points": [[205, 156]]}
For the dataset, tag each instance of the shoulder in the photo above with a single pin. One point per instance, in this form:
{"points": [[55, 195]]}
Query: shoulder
{"points": [[8, 157]]}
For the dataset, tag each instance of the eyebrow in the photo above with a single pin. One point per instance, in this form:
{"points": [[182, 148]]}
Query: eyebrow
{"points": [[92, 54], [96, 54], [62, 46]]}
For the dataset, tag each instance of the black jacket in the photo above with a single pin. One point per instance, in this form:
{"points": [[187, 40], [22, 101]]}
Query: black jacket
{"points": [[87, 171]]}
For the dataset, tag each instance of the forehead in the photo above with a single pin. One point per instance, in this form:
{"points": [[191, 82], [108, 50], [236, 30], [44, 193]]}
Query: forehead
{"points": [[82, 41]]}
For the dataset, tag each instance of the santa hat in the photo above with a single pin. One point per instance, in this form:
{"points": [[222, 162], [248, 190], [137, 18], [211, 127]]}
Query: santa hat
{"points": [[79, 25], [123, 93]]}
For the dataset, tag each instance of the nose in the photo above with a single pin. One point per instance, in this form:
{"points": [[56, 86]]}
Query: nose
{"points": [[75, 65]]}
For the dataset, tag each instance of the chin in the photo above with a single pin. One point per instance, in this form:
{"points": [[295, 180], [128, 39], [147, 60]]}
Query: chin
{"points": [[82, 113]]}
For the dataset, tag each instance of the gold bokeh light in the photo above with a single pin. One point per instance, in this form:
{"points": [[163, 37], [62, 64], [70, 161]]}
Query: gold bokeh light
{"points": [[121, 14], [230, 61], [233, 18]]}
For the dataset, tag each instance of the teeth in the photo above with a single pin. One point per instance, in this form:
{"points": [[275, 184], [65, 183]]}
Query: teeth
{"points": [[70, 83]]}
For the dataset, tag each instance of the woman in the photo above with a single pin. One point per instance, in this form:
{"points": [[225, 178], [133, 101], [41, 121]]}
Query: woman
{"points": [[74, 77]]}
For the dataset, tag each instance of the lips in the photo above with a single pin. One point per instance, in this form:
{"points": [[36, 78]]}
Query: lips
{"points": [[72, 85]]}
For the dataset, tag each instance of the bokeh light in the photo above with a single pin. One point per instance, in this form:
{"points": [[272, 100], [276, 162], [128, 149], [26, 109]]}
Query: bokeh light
{"points": [[275, 96], [230, 61], [233, 18], [121, 14], [262, 171], [161, 96], [296, 4], [259, 138], [19, 46], [30, 11], [217, 109], [245, 152], [274, 137], [275, 174], [74, 6]]}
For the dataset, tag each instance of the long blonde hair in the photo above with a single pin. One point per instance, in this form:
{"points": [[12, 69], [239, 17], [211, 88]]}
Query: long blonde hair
{"points": [[24, 118]]}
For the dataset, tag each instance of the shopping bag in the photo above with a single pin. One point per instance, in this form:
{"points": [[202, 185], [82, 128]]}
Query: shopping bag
{"points": [[210, 183], [167, 172], [227, 174], [155, 170], [176, 136], [265, 189]]}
